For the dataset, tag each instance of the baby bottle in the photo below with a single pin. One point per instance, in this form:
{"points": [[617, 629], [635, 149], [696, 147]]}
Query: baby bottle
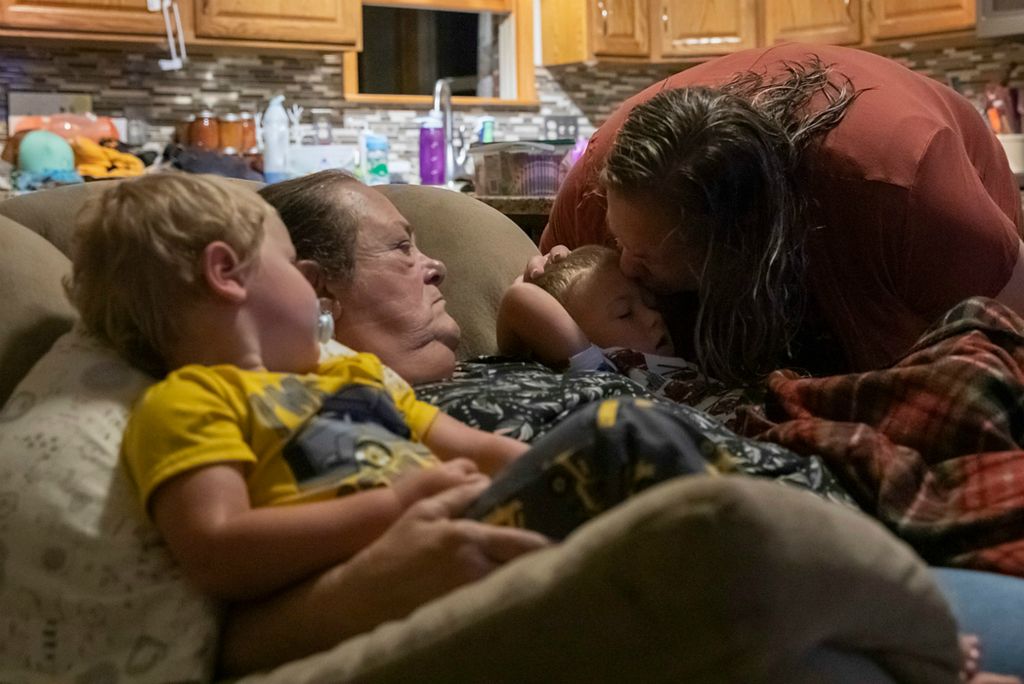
{"points": [[432, 149]]}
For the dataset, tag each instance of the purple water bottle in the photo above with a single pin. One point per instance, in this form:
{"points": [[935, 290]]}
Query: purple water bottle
{"points": [[432, 149]]}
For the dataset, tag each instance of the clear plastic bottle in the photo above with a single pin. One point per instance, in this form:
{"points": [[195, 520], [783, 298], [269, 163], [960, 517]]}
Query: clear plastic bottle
{"points": [[275, 141], [374, 158], [432, 149]]}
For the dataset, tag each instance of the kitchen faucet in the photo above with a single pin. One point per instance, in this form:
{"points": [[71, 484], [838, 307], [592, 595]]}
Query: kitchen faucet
{"points": [[454, 155]]}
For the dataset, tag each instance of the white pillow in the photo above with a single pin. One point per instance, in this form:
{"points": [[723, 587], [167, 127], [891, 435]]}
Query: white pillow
{"points": [[87, 587]]}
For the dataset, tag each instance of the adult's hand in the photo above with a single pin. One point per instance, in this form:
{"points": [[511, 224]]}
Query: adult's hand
{"points": [[424, 555], [536, 265], [428, 552]]}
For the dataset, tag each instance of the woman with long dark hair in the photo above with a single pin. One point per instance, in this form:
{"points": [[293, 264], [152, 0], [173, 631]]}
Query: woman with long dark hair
{"points": [[797, 194]]}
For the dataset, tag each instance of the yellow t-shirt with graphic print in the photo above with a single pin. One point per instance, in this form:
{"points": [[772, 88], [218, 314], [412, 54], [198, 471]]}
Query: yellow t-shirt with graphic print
{"points": [[203, 415]]}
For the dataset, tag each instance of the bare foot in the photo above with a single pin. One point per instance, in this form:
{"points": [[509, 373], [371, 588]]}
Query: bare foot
{"points": [[970, 647]]}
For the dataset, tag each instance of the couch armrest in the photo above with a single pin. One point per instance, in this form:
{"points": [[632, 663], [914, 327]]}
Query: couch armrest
{"points": [[35, 311], [700, 579]]}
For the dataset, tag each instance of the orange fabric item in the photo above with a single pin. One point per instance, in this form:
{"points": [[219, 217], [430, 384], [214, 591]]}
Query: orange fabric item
{"points": [[97, 161], [918, 207], [70, 126]]}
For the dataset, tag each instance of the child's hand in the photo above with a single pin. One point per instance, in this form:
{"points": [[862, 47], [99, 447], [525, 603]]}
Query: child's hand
{"points": [[537, 264], [423, 483]]}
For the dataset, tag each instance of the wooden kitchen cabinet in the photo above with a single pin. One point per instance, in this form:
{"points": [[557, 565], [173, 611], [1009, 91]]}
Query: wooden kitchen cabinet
{"points": [[904, 18], [648, 30], [583, 30], [833, 22], [664, 30], [621, 28], [312, 24], [709, 27], [312, 21], [87, 16]]}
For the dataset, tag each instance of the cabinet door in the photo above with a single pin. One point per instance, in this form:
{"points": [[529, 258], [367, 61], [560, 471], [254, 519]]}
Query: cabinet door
{"points": [[899, 18], [93, 16], [706, 27], [835, 22], [311, 21], [620, 28], [565, 38]]}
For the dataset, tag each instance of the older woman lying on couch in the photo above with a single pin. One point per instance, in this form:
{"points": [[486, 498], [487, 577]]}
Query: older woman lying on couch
{"points": [[707, 579]]}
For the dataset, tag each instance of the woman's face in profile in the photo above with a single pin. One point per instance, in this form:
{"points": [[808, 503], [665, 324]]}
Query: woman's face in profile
{"points": [[653, 248], [393, 307]]}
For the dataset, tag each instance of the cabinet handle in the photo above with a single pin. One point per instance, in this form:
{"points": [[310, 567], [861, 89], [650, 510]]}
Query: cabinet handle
{"points": [[604, 17], [664, 18]]}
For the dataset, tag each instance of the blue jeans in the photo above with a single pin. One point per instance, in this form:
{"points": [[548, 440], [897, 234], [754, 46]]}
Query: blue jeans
{"points": [[990, 606]]}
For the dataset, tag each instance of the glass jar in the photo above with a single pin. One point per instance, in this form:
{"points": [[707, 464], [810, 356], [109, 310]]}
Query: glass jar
{"points": [[204, 132], [249, 145], [230, 128], [182, 129]]}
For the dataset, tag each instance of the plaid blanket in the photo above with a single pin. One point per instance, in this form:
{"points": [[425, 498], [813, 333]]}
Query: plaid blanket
{"points": [[933, 446]]}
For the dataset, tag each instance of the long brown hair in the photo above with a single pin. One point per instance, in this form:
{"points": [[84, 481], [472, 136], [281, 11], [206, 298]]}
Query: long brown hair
{"points": [[728, 160]]}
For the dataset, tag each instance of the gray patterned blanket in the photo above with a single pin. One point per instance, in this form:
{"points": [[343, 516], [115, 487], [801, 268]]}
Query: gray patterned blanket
{"points": [[524, 400]]}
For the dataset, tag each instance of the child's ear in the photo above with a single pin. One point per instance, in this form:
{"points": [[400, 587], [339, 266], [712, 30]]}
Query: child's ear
{"points": [[222, 271]]}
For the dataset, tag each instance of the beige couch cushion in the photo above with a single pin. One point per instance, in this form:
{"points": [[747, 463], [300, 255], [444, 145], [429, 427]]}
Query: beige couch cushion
{"points": [[482, 248], [51, 213], [33, 308], [698, 580], [88, 591]]}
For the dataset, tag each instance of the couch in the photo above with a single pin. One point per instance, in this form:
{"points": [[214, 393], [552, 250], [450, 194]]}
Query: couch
{"points": [[704, 579]]}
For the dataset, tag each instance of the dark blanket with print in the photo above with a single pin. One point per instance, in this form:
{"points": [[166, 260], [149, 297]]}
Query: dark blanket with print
{"points": [[524, 400], [933, 446]]}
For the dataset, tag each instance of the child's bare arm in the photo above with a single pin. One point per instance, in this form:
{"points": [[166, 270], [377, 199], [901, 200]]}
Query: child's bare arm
{"points": [[450, 439], [533, 323], [234, 552]]}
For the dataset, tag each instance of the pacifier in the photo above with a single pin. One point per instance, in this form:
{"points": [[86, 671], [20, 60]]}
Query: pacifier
{"points": [[325, 321]]}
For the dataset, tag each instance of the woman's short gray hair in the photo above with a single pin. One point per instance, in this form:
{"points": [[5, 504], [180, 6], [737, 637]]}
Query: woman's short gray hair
{"points": [[322, 227]]}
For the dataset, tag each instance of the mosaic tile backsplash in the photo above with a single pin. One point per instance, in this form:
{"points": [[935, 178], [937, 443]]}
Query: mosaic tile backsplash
{"points": [[128, 82]]}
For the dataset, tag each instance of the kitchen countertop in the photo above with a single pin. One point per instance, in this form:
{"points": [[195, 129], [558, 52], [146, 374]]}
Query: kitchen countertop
{"points": [[529, 213], [518, 205]]}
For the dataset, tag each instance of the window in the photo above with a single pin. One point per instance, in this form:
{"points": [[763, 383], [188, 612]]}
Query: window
{"points": [[485, 48]]}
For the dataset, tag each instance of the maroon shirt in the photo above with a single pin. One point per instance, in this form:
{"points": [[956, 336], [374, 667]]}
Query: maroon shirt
{"points": [[917, 205]]}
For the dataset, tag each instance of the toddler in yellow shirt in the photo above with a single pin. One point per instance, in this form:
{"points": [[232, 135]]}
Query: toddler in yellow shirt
{"points": [[195, 280]]}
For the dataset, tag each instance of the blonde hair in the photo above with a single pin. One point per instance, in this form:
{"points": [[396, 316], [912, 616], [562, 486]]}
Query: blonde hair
{"points": [[561, 277], [136, 256]]}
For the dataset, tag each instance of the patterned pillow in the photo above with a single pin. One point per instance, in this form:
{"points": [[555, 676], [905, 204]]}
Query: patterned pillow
{"points": [[88, 591]]}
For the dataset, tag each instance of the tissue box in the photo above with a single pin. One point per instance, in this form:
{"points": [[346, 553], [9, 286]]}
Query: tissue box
{"points": [[524, 168]]}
